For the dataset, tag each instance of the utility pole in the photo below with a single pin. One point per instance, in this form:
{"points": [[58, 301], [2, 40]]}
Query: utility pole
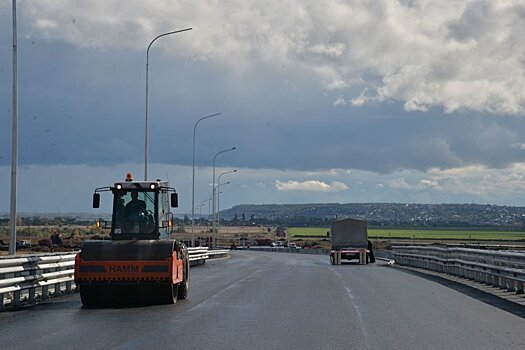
{"points": [[14, 145]]}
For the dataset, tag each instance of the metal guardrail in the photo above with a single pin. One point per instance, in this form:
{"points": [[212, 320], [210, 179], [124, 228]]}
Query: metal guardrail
{"points": [[317, 251], [31, 278], [505, 270], [379, 254], [198, 255], [218, 253], [27, 279]]}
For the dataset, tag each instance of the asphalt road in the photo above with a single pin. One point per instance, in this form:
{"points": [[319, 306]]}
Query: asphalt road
{"points": [[263, 300]]}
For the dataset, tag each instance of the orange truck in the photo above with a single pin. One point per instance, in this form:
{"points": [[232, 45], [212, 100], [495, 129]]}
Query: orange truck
{"points": [[140, 264], [349, 239]]}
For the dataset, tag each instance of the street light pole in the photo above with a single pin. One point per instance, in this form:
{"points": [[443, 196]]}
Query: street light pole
{"points": [[193, 180], [147, 88], [202, 204], [200, 210], [209, 208], [14, 145], [213, 188], [218, 203], [218, 208]]}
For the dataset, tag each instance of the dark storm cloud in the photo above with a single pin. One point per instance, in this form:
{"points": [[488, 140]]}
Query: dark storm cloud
{"points": [[83, 102], [87, 106]]}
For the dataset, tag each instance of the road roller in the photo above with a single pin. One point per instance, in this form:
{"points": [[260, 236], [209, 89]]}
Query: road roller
{"points": [[139, 264]]}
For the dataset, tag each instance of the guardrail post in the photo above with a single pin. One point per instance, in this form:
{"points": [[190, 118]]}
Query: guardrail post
{"points": [[496, 281], [503, 282], [68, 286], [16, 299], [1, 301], [476, 276], [461, 272], [519, 287], [57, 290], [472, 275], [489, 280], [510, 285], [32, 291], [45, 289]]}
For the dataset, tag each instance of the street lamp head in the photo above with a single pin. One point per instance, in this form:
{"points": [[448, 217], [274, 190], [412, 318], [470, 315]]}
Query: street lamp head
{"points": [[146, 142]]}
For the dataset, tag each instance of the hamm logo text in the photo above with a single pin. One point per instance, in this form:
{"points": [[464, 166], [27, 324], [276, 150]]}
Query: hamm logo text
{"points": [[125, 269]]}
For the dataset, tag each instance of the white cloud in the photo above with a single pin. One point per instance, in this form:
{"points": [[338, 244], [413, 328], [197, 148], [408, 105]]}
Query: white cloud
{"points": [[519, 145], [472, 180], [482, 181], [400, 183], [427, 183], [310, 185], [458, 185], [44, 24], [340, 101], [452, 54], [362, 99], [331, 50]]}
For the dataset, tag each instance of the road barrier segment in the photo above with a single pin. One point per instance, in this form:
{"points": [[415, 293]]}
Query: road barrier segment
{"points": [[28, 279], [501, 269], [317, 251]]}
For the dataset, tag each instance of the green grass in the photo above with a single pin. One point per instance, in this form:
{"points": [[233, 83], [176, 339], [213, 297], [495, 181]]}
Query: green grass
{"points": [[417, 233]]}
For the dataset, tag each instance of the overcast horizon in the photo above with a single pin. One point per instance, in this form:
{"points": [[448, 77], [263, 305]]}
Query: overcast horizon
{"points": [[333, 102]]}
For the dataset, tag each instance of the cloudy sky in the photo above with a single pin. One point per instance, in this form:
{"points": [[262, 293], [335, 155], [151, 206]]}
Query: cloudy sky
{"points": [[332, 101]]}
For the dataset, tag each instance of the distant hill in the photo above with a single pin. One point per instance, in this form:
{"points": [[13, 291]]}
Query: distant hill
{"points": [[321, 214], [387, 214]]}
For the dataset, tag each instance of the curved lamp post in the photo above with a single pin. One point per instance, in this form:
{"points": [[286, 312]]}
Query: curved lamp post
{"points": [[193, 179], [218, 203], [147, 80], [202, 204], [219, 184], [213, 188], [209, 208]]}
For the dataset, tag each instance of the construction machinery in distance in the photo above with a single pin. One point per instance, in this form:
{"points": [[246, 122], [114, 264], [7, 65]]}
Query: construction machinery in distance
{"points": [[139, 264]]}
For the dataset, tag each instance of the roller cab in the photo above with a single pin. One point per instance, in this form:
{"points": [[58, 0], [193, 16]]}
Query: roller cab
{"points": [[139, 264]]}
